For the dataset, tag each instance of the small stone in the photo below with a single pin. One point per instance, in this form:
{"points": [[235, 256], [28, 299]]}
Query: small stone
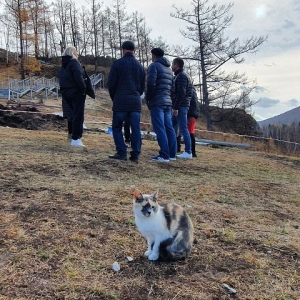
{"points": [[116, 267], [129, 259], [229, 289]]}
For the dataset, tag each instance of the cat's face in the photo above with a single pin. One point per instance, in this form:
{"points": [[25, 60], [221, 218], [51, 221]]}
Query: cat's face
{"points": [[145, 205]]}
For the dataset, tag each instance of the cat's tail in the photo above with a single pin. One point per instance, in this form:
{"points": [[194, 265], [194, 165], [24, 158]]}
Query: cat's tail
{"points": [[163, 252], [167, 252]]}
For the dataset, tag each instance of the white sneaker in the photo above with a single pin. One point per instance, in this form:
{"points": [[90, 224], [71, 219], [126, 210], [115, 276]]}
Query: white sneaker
{"points": [[185, 155], [77, 143], [172, 158], [158, 159]]}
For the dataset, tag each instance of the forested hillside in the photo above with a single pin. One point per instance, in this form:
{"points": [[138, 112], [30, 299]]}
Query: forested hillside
{"points": [[287, 118], [285, 126]]}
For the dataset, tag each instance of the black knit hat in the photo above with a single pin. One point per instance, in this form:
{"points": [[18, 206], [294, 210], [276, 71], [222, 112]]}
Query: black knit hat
{"points": [[158, 52], [128, 45]]}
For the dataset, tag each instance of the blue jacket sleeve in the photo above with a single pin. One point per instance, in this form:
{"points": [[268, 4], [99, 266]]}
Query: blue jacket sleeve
{"points": [[151, 82], [112, 81]]}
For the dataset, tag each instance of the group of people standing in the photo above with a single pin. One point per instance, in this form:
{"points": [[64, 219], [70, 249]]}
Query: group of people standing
{"points": [[170, 97]]}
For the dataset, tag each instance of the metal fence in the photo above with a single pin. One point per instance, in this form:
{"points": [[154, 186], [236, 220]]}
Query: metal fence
{"points": [[97, 80], [34, 86]]}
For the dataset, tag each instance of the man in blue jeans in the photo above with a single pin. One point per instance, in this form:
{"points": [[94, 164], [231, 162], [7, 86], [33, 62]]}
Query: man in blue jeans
{"points": [[126, 84], [181, 99], [158, 96]]}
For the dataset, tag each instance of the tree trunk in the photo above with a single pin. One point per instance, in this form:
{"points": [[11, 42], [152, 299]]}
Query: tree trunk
{"points": [[22, 69]]}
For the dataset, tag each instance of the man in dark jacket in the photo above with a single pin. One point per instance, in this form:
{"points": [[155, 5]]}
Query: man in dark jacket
{"points": [[158, 96], [126, 84], [181, 102]]}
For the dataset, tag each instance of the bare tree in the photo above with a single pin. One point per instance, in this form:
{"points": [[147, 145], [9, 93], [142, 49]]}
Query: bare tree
{"points": [[103, 33], [60, 9], [47, 28], [74, 24], [112, 33], [85, 31], [145, 44], [137, 20], [141, 37], [36, 12], [7, 30], [18, 10], [121, 20], [94, 30], [206, 26]]}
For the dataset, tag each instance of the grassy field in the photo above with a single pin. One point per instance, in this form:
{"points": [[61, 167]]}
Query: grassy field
{"points": [[66, 217]]}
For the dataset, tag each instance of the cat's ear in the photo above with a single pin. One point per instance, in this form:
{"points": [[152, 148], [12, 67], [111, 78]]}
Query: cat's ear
{"points": [[154, 196], [138, 195]]}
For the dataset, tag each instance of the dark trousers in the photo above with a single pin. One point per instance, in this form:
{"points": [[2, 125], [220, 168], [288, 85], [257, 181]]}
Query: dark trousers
{"points": [[136, 140], [193, 143], [178, 143], [70, 126], [127, 130], [77, 103]]}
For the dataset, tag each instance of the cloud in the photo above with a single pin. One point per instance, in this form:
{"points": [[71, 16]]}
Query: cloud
{"points": [[260, 89], [266, 102], [258, 117], [288, 24], [296, 3], [293, 102], [272, 64]]}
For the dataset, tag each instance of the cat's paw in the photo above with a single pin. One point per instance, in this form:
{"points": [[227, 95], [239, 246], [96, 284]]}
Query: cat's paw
{"points": [[153, 256], [148, 252]]}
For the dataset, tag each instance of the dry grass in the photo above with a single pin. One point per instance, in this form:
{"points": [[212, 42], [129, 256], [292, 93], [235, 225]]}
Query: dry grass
{"points": [[66, 216]]}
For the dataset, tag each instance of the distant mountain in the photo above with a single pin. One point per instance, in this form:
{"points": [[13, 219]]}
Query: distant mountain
{"points": [[288, 117]]}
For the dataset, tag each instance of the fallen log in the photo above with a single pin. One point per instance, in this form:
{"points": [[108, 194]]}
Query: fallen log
{"points": [[220, 143]]}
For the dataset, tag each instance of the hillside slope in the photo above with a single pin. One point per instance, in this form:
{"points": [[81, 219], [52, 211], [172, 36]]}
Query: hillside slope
{"points": [[287, 118]]}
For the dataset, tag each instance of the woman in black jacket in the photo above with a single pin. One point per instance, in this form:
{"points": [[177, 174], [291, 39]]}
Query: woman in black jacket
{"points": [[73, 89], [193, 115]]}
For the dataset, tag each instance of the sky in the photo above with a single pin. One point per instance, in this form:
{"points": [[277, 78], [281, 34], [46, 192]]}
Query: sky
{"points": [[277, 63]]}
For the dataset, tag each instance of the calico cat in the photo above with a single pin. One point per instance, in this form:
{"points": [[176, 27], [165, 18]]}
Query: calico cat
{"points": [[167, 227]]}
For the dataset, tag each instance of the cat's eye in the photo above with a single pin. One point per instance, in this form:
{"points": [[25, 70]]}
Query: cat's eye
{"points": [[153, 207]]}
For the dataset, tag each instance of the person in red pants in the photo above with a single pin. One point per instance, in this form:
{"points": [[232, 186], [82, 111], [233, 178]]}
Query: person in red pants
{"points": [[192, 116]]}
